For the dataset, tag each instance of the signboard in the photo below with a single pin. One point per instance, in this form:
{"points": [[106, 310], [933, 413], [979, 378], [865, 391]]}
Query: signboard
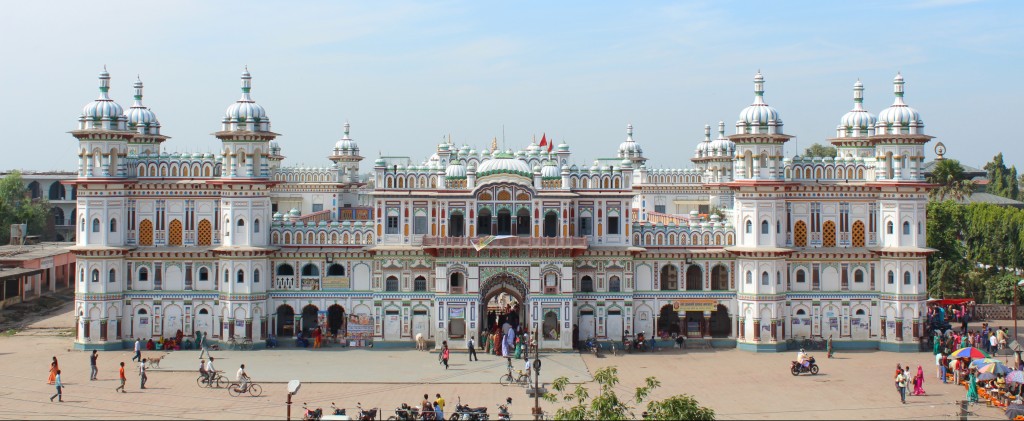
{"points": [[456, 312], [681, 306], [360, 326]]}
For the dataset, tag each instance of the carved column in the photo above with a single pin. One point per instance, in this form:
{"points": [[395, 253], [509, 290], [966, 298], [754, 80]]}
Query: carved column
{"points": [[103, 330], [899, 329], [757, 329], [882, 320], [775, 325]]}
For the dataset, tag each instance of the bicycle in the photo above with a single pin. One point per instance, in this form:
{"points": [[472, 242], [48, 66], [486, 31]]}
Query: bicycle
{"points": [[232, 344], [791, 344], [220, 380], [236, 390], [246, 345], [521, 378]]}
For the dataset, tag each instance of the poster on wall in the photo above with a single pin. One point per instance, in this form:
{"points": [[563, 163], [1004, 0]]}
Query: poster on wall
{"points": [[239, 324], [833, 323], [360, 326], [456, 312], [143, 320]]}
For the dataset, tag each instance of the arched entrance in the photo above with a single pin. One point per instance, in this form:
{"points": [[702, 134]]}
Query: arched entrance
{"points": [[285, 321], [336, 319], [309, 321], [721, 322], [503, 300], [668, 321]]}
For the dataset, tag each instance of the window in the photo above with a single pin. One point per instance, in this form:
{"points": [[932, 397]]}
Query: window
{"points": [[419, 284], [392, 224], [906, 228], [613, 225], [801, 276], [614, 284], [858, 276], [906, 278], [95, 225], [523, 222], [750, 227], [317, 207], [586, 227], [456, 225], [158, 275], [112, 276], [778, 278], [419, 225], [227, 275], [888, 227], [750, 277], [204, 274], [764, 279], [551, 224], [143, 275], [334, 270], [504, 222], [920, 277], [659, 208], [587, 284], [256, 276], [391, 285], [256, 226], [764, 227], [455, 281], [816, 276], [95, 275], [188, 276], [113, 225], [483, 222], [240, 277], [241, 223], [128, 274], [892, 278]]}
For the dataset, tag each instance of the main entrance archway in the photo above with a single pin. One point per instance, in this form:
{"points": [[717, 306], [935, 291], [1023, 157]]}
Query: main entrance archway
{"points": [[503, 300]]}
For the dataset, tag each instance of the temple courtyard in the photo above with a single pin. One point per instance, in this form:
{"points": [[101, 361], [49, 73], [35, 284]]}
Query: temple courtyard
{"points": [[737, 384]]}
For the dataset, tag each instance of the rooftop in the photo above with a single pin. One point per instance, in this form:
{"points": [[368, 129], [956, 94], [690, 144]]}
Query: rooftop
{"points": [[34, 251]]}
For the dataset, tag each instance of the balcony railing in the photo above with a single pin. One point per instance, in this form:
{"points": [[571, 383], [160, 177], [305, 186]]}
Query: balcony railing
{"points": [[505, 242]]}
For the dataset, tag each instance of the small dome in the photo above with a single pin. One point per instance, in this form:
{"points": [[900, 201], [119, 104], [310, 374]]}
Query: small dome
{"points": [[722, 146], [858, 121], [379, 162], [759, 117], [103, 113], [562, 147], [140, 117], [504, 163], [629, 148], [899, 118], [346, 146], [455, 171], [549, 170], [245, 114], [294, 212], [703, 148], [278, 216]]}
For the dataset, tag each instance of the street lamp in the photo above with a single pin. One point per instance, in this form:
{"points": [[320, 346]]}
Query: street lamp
{"points": [[293, 389]]}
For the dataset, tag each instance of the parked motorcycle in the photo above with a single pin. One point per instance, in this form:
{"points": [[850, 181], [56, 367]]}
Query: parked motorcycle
{"points": [[311, 414], [503, 414], [466, 413], [337, 413], [405, 413], [592, 346], [627, 344], [797, 368], [366, 415]]}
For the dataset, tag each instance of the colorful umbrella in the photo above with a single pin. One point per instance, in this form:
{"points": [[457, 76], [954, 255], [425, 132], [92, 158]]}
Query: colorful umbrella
{"points": [[1015, 377], [983, 361], [994, 368], [968, 352], [986, 376]]}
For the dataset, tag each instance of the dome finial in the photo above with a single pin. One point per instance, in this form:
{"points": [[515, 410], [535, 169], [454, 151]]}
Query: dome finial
{"points": [[721, 130], [758, 87], [897, 86], [246, 83], [104, 83], [707, 132], [347, 126], [858, 95], [138, 90]]}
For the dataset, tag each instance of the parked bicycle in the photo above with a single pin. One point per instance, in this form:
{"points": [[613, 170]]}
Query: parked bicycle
{"points": [[520, 377]]}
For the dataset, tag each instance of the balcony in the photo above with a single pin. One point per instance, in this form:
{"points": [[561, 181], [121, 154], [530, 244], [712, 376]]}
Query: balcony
{"points": [[479, 243]]}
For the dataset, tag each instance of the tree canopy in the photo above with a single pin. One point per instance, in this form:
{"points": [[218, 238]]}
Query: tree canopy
{"points": [[820, 151], [1002, 180], [16, 207], [948, 174], [606, 405]]}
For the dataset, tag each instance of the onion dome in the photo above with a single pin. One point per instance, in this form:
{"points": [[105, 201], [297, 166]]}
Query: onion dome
{"points": [[899, 118], [103, 113], [759, 117], [857, 122], [550, 170], [703, 148], [294, 212], [245, 114], [140, 117], [563, 147], [346, 146], [629, 148], [278, 216], [722, 146], [504, 163], [379, 162]]}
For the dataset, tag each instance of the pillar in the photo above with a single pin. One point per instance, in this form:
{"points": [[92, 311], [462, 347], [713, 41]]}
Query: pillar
{"points": [[775, 324], [248, 328], [742, 327], [118, 321], [899, 329], [882, 320], [263, 327], [231, 328], [88, 325], [706, 328], [917, 331], [757, 329], [103, 330]]}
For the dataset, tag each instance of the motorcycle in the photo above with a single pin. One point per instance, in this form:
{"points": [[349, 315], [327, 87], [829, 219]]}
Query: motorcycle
{"points": [[465, 413], [797, 368], [337, 413], [640, 343], [593, 346], [503, 414], [627, 344], [405, 413], [366, 415], [311, 414]]}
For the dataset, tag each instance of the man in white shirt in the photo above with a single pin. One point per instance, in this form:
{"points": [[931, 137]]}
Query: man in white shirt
{"points": [[138, 350], [242, 378], [211, 373], [993, 342], [801, 358]]}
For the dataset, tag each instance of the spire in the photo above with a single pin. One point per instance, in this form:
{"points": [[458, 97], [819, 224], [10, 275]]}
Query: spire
{"points": [[629, 132], [721, 130], [347, 126], [138, 91], [104, 83], [758, 88], [707, 132], [897, 88], [858, 95], [246, 84]]}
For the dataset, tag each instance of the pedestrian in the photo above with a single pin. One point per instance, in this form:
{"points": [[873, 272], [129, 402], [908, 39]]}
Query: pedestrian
{"points": [[972, 387], [901, 385], [92, 365], [201, 342], [919, 382], [425, 406], [444, 354], [828, 346], [60, 385], [993, 343], [142, 374], [138, 350], [120, 376], [438, 412], [935, 344], [472, 349], [54, 369], [943, 364], [440, 406]]}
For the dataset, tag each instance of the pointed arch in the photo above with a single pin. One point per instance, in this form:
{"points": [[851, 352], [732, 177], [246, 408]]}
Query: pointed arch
{"points": [[146, 233], [800, 234], [828, 234], [174, 233]]}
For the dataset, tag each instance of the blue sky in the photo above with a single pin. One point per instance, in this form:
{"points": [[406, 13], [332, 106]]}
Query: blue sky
{"points": [[406, 74]]}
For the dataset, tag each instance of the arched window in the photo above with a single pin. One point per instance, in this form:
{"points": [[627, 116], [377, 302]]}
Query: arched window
{"points": [[906, 228], [764, 279], [419, 284], [95, 225], [241, 222], [455, 282], [765, 227], [920, 278], [750, 227], [113, 225], [483, 222], [310, 269], [256, 225], [587, 284], [906, 278], [95, 275], [614, 284], [801, 276], [285, 270], [240, 276], [204, 274], [523, 222], [888, 227], [858, 276], [892, 277], [391, 285], [256, 276], [143, 274], [750, 277], [112, 276], [335, 270]]}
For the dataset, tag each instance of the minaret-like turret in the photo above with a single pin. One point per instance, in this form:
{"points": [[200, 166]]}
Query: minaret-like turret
{"points": [[142, 120], [102, 136]]}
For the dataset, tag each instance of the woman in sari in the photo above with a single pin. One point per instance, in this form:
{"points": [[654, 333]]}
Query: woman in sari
{"points": [[972, 387], [919, 382], [53, 371], [828, 346]]}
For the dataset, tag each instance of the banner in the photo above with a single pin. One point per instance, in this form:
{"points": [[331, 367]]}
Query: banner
{"points": [[360, 326], [456, 312], [680, 306], [480, 244]]}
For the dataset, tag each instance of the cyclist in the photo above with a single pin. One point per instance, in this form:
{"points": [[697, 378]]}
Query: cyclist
{"points": [[242, 378], [211, 373]]}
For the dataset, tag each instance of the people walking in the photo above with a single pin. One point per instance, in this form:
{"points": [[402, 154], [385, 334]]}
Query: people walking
{"points": [[439, 406], [972, 387], [120, 376], [828, 346], [445, 354], [60, 385], [919, 382], [472, 349], [142, 374], [901, 385], [92, 365], [138, 350], [54, 369], [201, 339]]}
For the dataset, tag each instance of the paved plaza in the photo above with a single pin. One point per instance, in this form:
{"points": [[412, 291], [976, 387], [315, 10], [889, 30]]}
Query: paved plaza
{"points": [[737, 384]]}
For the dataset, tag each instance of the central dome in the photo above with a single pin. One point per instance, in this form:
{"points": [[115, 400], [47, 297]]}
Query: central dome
{"points": [[759, 116], [858, 121], [103, 113], [245, 114], [504, 163]]}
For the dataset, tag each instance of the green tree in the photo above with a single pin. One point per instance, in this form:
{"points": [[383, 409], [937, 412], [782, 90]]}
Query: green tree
{"points": [[948, 174], [821, 151], [948, 266], [1002, 180], [17, 208], [606, 405]]}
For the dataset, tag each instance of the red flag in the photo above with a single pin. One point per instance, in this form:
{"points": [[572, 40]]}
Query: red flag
{"points": [[543, 140], [551, 145]]}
